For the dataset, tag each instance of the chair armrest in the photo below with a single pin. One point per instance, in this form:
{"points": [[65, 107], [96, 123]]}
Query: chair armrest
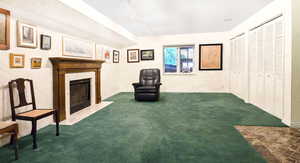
{"points": [[158, 85], [135, 85]]}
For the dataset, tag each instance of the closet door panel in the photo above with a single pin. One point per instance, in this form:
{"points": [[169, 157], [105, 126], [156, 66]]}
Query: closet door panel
{"points": [[279, 69], [260, 89], [242, 73], [269, 67], [252, 55]]}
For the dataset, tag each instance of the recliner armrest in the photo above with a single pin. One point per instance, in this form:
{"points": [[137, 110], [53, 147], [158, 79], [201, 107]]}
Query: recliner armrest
{"points": [[135, 85], [158, 85]]}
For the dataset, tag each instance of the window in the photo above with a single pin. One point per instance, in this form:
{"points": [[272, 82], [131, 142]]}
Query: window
{"points": [[178, 59]]}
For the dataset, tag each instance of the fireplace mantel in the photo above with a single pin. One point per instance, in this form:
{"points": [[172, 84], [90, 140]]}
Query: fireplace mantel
{"points": [[61, 66]]}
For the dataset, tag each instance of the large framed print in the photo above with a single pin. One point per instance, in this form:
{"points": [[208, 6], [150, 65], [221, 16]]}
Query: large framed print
{"points": [[4, 29], [77, 48], [26, 35], [133, 55], [210, 57]]}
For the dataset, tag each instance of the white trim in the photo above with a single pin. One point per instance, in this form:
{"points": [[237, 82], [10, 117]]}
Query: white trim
{"points": [[295, 124]]}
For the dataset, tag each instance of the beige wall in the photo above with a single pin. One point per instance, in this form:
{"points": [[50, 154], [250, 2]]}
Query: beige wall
{"points": [[296, 62], [198, 81], [43, 77]]}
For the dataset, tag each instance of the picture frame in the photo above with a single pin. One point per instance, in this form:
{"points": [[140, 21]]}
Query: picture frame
{"points": [[4, 29], [107, 55], [116, 56], [147, 55], [45, 42], [36, 63], [26, 35], [75, 47], [211, 57], [16, 60], [133, 55]]}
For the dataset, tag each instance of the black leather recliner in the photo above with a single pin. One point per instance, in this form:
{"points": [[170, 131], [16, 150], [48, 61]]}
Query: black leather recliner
{"points": [[148, 87]]}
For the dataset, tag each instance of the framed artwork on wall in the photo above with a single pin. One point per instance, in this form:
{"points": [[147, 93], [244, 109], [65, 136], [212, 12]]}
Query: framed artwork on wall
{"points": [[133, 55], [147, 55], [77, 48], [45, 42], [16, 60], [107, 55], [210, 57], [36, 63], [116, 56], [26, 35], [4, 29]]}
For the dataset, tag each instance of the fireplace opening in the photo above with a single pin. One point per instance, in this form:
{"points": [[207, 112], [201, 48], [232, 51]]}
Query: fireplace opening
{"points": [[80, 94]]}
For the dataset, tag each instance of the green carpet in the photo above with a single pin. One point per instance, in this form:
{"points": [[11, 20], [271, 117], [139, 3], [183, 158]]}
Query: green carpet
{"points": [[180, 128]]}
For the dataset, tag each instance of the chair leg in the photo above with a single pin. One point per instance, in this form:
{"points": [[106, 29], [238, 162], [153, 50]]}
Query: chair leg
{"points": [[15, 139], [34, 126], [57, 123], [32, 123], [11, 140]]}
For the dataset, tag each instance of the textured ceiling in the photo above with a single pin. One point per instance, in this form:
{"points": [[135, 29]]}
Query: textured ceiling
{"points": [[163, 17]]}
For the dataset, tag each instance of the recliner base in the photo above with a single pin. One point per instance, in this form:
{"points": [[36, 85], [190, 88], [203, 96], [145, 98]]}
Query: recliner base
{"points": [[146, 96]]}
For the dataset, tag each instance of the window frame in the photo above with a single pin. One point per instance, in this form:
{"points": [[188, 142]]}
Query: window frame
{"points": [[178, 59]]}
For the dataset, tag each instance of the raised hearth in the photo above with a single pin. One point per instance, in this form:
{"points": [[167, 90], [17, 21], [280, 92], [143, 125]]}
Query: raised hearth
{"points": [[63, 66]]}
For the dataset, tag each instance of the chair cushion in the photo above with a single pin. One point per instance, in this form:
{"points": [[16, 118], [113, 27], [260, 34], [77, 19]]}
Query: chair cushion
{"points": [[146, 89], [4, 125], [35, 113]]}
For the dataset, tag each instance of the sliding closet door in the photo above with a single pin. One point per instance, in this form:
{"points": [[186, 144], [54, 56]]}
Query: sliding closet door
{"points": [[234, 77], [269, 41], [279, 68], [242, 73], [266, 67], [260, 83], [253, 67]]}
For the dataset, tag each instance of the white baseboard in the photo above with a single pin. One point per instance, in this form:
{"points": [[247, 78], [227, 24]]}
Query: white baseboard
{"points": [[295, 124]]}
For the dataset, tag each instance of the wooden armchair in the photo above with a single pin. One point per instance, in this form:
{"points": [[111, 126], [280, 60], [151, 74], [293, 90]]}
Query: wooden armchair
{"points": [[12, 129], [33, 115]]}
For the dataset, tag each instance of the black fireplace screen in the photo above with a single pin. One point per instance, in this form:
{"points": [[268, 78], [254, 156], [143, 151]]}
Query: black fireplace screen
{"points": [[80, 95]]}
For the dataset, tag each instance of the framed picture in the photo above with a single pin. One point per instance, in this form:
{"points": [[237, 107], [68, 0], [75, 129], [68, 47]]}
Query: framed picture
{"points": [[26, 35], [116, 56], [133, 55], [211, 57], [16, 60], [77, 48], [36, 63], [147, 54], [4, 29], [45, 42], [107, 54]]}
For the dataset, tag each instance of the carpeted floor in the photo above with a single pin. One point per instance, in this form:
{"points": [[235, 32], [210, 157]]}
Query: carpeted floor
{"points": [[180, 128]]}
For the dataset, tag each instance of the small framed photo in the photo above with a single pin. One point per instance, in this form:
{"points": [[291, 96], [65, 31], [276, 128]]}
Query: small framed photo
{"points": [[210, 57], [36, 63], [4, 29], [45, 42], [116, 56], [147, 55], [26, 35], [107, 55], [133, 55], [16, 60]]}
